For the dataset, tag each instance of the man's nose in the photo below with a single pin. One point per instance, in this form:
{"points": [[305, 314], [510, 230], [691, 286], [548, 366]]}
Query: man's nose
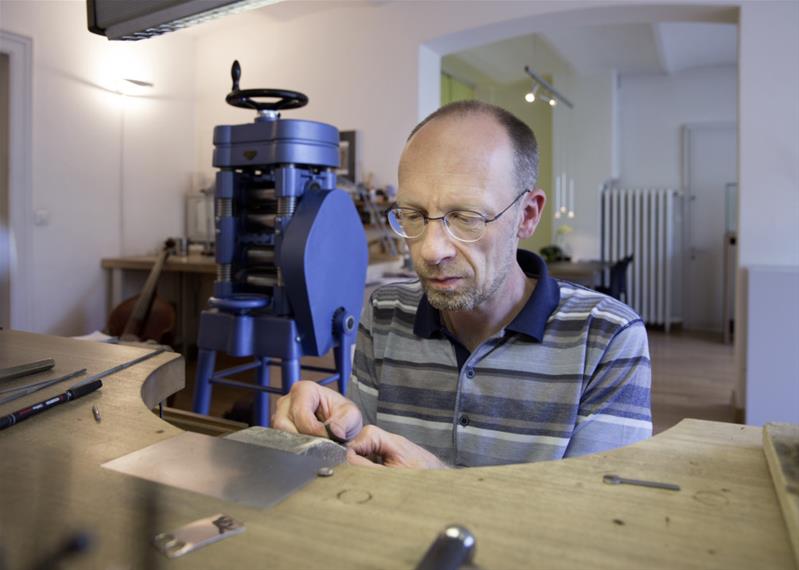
{"points": [[436, 244]]}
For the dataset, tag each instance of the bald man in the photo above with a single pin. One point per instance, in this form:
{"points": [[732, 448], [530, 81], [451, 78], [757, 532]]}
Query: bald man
{"points": [[484, 359]]}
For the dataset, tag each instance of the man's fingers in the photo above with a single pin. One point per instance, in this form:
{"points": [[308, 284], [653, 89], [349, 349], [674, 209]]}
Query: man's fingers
{"points": [[345, 422], [391, 450], [368, 442], [295, 411], [283, 424], [308, 407], [280, 420], [355, 459], [306, 421]]}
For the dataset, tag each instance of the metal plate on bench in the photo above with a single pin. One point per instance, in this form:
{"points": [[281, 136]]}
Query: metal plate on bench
{"points": [[222, 468]]}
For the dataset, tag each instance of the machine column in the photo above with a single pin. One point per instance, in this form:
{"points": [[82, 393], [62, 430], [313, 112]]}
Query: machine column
{"points": [[290, 370], [206, 359], [262, 398]]}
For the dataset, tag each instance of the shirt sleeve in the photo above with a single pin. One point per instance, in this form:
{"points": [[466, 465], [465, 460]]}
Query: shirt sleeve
{"points": [[615, 408], [363, 384]]}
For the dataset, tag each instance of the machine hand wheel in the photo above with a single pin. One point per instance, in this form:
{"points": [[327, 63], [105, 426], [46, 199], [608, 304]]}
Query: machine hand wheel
{"points": [[244, 97]]}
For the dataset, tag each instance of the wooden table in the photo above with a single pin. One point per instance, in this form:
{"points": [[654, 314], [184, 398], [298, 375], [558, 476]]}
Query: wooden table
{"points": [[586, 273], [195, 274], [548, 515], [187, 264]]}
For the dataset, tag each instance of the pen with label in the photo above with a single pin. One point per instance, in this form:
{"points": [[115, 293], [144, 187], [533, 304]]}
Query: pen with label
{"points": [[72, 394]]}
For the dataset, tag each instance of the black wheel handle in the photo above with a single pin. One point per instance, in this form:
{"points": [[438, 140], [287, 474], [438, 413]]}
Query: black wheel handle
{"points": [[244, 97]]}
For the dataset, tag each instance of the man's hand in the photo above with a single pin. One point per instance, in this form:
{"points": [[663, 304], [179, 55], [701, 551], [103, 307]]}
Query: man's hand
{"points": [[309, 406], [390, 449]]}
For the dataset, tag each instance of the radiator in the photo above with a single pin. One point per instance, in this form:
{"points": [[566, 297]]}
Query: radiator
{"points": [[641, 223]]}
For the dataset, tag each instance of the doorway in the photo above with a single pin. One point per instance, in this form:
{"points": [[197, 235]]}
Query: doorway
{"points": [[16, 189], [5, 246], [710, 167]]}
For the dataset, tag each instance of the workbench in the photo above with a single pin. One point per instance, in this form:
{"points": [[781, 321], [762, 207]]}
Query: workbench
{"points": [[549, 515]]}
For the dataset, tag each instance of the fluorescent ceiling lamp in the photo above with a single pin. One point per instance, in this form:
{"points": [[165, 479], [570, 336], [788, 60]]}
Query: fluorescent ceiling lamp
{"points": [[142, 19]]}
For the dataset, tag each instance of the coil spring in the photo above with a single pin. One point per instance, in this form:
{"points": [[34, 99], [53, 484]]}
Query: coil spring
{"points": [[224, 207], [286, 206], [223, 272]]}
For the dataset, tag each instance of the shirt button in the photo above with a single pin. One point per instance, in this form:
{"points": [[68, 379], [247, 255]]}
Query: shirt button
{"points": [[470, 372], [464, 421]]}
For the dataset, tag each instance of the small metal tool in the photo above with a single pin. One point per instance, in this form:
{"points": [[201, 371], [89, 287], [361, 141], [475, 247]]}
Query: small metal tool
{"points": [[452, 549], [197, 535], [26, 369], [124, 365], [22, 391], [618, 480], [96, 413]]}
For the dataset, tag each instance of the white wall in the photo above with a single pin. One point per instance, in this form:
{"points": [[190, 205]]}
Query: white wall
{"points": [[85, 164], [768, 175], [772, 392], [768, 222], [652, 110]]}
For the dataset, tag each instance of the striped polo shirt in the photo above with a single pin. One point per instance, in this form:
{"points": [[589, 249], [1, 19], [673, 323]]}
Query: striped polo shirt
{"points": [[570, 375]]}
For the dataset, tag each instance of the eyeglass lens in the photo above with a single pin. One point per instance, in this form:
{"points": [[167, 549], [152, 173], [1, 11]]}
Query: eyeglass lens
{"points": [[464, 226]]}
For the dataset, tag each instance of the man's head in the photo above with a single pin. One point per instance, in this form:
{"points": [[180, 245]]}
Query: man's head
{"points": [[474, 157], [522, 139]]}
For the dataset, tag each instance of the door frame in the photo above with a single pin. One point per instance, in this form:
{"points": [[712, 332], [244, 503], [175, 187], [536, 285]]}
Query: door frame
{"points": [[687, 135], [20, 176]]}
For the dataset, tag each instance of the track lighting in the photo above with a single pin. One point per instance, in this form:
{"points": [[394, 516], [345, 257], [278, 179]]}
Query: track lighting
{"points": [[554, 94]]}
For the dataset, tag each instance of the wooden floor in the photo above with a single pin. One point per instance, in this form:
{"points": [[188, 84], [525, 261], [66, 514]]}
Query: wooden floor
{"points": [[693, 376]]}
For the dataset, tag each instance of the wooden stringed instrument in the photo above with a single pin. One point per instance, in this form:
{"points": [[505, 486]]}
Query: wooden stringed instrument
{"points": [[145, 316]]}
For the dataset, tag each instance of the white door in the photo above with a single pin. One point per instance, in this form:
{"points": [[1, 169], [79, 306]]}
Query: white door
{"points": [[711, 163]]}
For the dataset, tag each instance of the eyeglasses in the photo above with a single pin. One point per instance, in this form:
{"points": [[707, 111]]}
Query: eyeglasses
{"points": [[463, 225]]}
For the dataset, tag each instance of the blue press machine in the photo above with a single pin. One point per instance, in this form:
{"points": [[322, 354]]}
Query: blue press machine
{"points": [[291, 252]]}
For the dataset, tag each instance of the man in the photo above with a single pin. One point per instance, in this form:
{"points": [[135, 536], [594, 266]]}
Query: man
{"points": [[484, 359]]}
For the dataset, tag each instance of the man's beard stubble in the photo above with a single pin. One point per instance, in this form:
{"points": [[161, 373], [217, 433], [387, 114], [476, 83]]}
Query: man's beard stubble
{"points": [[469, 296]]}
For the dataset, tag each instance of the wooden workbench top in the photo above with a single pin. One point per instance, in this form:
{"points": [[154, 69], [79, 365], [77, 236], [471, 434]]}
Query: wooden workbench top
{"points": [[555, 514]]}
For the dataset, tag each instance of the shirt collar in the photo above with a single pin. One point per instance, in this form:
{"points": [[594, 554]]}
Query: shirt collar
{"points": [[530, 321]]}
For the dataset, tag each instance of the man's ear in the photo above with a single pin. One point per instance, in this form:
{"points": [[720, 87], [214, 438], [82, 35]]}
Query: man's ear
{"points": [[533, 205]]}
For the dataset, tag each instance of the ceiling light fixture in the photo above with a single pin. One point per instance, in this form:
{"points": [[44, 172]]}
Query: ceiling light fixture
{"points": [[530, 97], [138, 20], [539, 81]]}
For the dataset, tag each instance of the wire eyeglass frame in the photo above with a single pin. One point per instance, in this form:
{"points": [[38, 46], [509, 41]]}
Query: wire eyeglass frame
{"points": [[392, 214]]}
